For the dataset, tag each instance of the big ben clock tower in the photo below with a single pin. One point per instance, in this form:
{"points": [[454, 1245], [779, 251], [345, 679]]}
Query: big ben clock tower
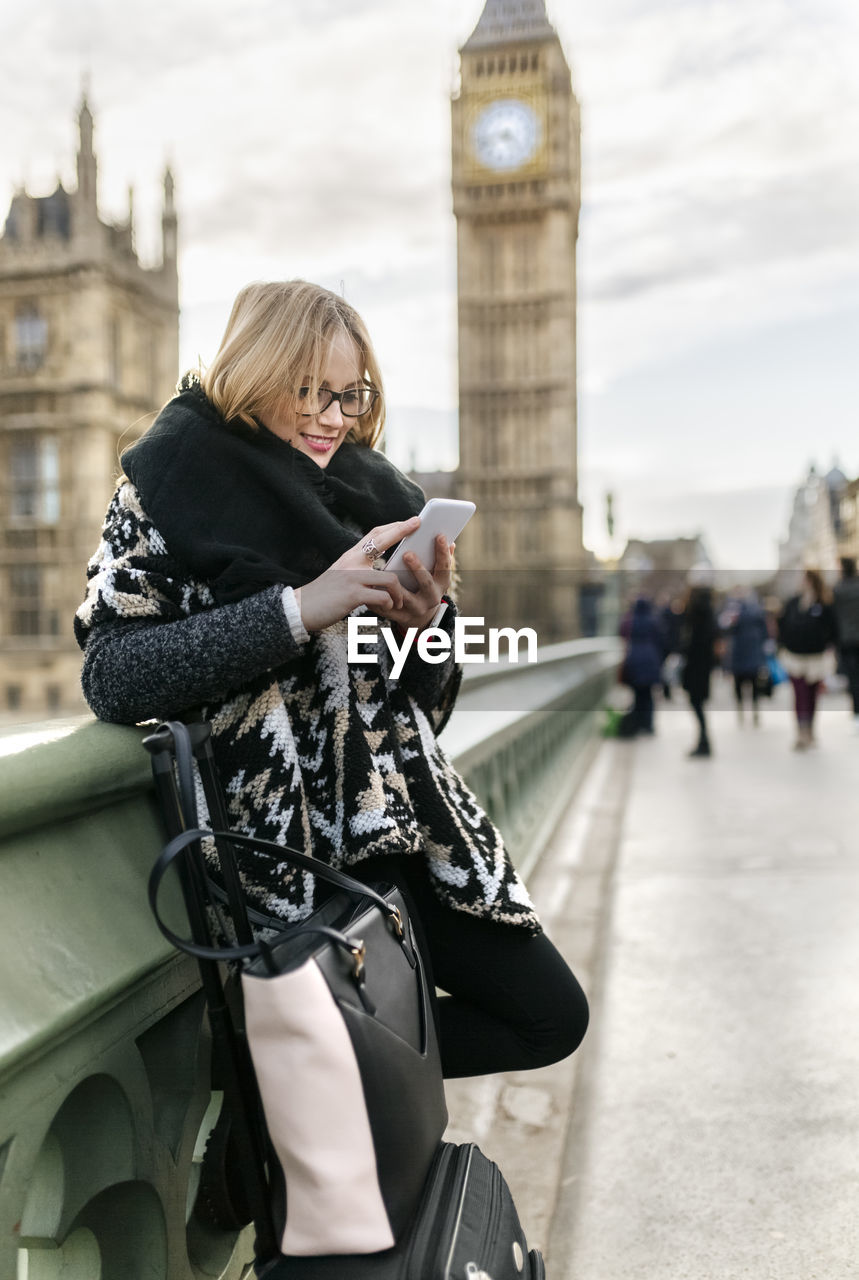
{"points": [[516, 196]]}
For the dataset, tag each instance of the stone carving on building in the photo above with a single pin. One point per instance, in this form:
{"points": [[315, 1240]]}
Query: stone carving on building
{"points": [[88, 350]]}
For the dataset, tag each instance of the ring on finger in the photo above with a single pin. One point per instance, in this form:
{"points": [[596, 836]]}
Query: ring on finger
{"points": [[370, 549]]}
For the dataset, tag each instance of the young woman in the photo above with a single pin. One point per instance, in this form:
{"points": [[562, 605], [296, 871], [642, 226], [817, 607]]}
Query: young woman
{"points": [[246, 529], [807, 632]]}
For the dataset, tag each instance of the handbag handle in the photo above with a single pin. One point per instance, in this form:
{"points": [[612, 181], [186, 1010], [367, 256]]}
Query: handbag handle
{"points": [[179, 843], [185, 749]]}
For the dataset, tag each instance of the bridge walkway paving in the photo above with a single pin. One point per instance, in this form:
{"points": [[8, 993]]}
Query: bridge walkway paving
{"points": [[709, 1126]]}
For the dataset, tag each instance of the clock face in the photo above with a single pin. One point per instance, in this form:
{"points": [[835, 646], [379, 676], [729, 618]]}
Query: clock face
{"points": [[506, 134]]}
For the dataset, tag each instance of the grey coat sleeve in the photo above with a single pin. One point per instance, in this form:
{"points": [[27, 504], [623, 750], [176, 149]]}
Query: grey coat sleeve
{"points": [[155, 642], [140, 669]]}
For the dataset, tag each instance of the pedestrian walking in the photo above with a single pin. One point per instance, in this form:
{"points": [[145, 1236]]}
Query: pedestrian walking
{"points": [[846, 601], [699, 634], [642, 664], [807, 631], [749, 636], [670, 613]]}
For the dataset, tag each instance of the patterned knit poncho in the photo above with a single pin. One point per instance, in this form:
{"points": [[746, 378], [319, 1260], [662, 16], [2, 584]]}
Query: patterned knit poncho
{"points": [[331, 757]]}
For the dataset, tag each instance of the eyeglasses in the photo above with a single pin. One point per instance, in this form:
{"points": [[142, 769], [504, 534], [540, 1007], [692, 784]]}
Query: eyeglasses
{"points": [[354, 402]]}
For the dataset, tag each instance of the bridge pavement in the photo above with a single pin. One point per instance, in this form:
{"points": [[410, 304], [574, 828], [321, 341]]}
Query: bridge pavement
{"points": [[709, 1126]]}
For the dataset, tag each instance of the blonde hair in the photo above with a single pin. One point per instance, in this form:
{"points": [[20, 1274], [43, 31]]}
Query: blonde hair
{"points": [[276, 340]]}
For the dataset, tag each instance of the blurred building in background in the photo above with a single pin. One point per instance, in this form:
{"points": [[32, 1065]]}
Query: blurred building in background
{"points": [[516, 197], [849, 517], [663, 567], [818, 528], [88, 349]]}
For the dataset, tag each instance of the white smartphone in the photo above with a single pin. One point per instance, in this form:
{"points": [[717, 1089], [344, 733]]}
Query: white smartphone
{"points": [[440, 515]]}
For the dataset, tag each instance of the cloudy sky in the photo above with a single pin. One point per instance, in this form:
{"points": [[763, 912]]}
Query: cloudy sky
{"points": [[719, 242]]}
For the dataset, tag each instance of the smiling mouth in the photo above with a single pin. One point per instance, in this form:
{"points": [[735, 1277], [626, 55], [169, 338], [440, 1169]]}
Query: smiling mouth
{"points": [[321, 443]]}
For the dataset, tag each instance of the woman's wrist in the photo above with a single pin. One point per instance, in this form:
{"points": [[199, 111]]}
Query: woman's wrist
{"points": [[291, 601], [434, 620]]}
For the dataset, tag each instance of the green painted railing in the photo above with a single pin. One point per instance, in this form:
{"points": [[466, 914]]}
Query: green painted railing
{"points": [[104, 1080], [519, 734], [105, 1102]]}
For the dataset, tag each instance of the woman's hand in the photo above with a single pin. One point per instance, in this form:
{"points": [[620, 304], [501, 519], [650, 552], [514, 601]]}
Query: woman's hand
{"points": [[418, 608], [352, 581]]}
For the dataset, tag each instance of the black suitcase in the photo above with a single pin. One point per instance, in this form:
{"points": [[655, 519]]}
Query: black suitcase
{"points": [[465, 1227]]}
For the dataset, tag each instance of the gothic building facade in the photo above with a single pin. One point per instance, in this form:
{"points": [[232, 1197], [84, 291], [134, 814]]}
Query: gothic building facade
{"points": [[516, 196], [88, 349], [817, 532]]}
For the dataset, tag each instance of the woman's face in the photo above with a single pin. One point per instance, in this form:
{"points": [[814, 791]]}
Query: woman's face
{"points": [[320, 435]]}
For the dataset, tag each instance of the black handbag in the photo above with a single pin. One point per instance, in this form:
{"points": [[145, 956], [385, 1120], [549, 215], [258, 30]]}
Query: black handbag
{"points": [[343, 1111]]}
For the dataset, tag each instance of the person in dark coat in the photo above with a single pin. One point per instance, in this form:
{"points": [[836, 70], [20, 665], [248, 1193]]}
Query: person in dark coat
{"points": [[642, 666], [846, 604], [807, 633], [749, 636], [699, 635], [670, 614]]}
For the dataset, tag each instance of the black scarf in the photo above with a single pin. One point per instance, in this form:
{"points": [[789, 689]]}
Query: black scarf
{"points": [[243, 509]]}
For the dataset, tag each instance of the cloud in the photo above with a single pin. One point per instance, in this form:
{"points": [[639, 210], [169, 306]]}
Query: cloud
{"points": [[313, 138], [718, 139], [718, 152]]}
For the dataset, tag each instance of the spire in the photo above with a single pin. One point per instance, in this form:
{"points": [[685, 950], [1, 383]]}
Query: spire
{"points": [[509, 22], [169, 246], [85, 125], [131, 232], [87, 164]]}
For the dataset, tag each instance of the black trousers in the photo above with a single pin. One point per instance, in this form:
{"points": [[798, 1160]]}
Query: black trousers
{"points": [[742, 678], [511, 1002], [697, 705], [642, 708], [850, 666]]}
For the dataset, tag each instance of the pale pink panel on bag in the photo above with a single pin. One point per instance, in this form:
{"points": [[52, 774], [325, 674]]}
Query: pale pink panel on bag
{"points": [[316, 1113]]}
